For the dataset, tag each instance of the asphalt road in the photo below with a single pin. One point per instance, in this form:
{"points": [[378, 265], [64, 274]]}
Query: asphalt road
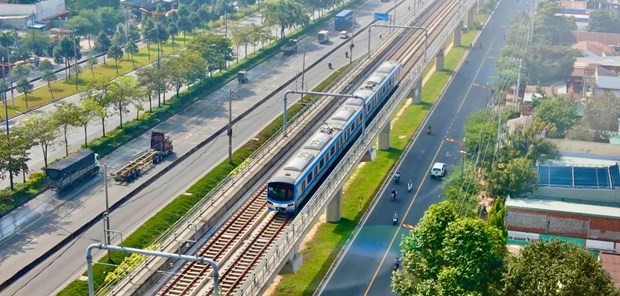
{"points": [[365, 268], [57, 216]]}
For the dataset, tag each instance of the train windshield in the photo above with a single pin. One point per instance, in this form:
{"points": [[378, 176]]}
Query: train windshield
{"points": [[280, 191], [53, 174]]}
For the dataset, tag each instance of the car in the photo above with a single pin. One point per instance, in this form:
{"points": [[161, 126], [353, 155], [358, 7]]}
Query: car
{"points": [[344, 35], [439, 170]]}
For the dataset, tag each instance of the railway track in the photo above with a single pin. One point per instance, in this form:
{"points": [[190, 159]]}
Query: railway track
{"points": [[220, 245], [250, 232]]}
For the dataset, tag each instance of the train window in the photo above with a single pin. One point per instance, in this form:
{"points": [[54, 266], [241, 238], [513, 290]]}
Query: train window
{"points": [[322, 163], [331, 151], [310, 176]]}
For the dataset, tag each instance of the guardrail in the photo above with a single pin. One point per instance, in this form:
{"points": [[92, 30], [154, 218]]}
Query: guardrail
{"points": [[277, 256]]}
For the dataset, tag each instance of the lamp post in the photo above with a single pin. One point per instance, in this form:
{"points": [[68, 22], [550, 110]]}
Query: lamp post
{"points": [[6, 109]]}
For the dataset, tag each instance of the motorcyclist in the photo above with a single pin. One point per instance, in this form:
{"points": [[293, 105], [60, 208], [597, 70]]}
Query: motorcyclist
{"points": [[329, 65], [393, 194], [397, 177], [428, 130], [395, 218], [396, 264], [409, 185], [346, 54]]}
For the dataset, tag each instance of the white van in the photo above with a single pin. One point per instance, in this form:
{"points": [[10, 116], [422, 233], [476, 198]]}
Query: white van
{"points": [[438, 170], [323, 36]]}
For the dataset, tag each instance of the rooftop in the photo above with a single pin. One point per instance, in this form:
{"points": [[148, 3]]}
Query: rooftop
{"points": [[611, 264], [563, 207], [592, 48], [573, 37]]}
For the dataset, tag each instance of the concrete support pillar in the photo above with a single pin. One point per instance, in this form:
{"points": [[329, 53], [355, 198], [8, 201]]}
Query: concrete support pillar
{"points": [[384, 137], [333, 210], [439, 61], [416, 92], [295, 259], [457, 35], [470, 17], [370, 155]]}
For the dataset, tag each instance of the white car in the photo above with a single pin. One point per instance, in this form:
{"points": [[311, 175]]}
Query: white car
{"points": [[439, 170], [344, 35]]}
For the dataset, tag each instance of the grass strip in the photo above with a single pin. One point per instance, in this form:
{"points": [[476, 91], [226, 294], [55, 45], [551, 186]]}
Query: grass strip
{"points": [[175, 210], [330, 238]]}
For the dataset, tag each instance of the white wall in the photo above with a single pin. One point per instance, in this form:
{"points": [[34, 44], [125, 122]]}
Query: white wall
{"points": [[42, 10]]}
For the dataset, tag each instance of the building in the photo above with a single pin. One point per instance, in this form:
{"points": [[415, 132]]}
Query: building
{"points": [[593, 49], [611, 263], [151, 5], [610, 39], [37, 15], [598, 75]]}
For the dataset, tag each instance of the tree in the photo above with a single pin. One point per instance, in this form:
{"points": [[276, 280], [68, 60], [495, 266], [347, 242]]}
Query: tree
{"points": [[513, 178], [173, 30], [555, 268], [49, 76], [43, 130], [481, 133], [102, 44], [131, 48], [21, 143], [286, 14], [526, 142], [36, 42], [21, 71], [152, 80], [149, 34], [116, 53], [555, 116], [85, 113], [133, 33], [462, 187], [64, 116], [110, 17], [122, 92], [496, 217], [95, 25], [68, 49], [550, 24], [92, 61], [546, 63], [25, 87], [120, 37], [448, 255], [604, 21], [214, 48], [97, 91], [185, 26], [83, 26], [601, 115]]}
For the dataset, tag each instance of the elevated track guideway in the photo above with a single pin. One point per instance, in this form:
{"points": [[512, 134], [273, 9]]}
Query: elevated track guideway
{"points": [[251, 232]]}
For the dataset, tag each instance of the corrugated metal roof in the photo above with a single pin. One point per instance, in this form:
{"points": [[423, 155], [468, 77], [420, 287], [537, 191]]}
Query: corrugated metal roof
{"points": [[562, 207]]}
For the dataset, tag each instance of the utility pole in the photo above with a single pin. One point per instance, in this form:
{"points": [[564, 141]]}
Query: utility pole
{"points": [[303, 76], [75, 45], [518, 85], [230, 131], [106, 214], [351, 50], [6, 111]]}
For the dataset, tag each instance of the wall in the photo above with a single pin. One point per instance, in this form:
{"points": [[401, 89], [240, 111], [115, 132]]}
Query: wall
{"points": [[572, 225], [42, 10], [611, 196], [586, 147]]}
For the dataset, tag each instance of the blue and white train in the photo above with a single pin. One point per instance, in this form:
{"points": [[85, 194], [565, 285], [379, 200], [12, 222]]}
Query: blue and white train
{"points": [[293, 182]]}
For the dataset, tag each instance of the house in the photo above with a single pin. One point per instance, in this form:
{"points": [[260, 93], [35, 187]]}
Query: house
{"points": [[609, 39], [598, 75], [150, 5], [37, 15], [593, 49]]}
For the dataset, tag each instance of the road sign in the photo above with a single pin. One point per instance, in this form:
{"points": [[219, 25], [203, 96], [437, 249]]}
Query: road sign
{"points": [[382, 16]]}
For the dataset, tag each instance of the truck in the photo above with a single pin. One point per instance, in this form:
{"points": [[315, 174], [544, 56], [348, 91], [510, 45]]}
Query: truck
{"points": [[290, 47], [344, 20], [161, 146], [323, 36], [73, 170]]}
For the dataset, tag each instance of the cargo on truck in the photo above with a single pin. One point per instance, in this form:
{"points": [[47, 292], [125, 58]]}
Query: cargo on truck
{"points": [[73, 170], [323, 36], [161, 146], [343, 20]]}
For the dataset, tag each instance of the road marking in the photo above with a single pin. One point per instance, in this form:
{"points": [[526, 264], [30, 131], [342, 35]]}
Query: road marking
{"points": [[188, 136], [396, 234]]}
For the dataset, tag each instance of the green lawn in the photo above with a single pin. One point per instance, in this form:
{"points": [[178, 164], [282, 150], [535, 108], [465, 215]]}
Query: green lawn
{"points": [[329, 238], [66, 87]]}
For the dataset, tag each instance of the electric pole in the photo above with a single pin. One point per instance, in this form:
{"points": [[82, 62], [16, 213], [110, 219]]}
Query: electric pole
{"points": [[230, 131]]}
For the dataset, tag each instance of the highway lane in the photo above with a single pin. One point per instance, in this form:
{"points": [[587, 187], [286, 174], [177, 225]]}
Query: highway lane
{"points": [[187, 129], [372, 251]]}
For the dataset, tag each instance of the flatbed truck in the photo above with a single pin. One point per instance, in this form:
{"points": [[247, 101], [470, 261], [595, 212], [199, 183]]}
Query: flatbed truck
{"points": [[161, 146]]}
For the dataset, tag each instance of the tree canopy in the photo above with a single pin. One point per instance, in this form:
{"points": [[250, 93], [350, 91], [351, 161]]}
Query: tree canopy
{"points": [[445, 255], [286, 14], [555, 268], [604, 21], [555, 116]]}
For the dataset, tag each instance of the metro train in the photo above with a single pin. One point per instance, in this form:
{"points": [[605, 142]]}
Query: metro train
{"points": [[293, 182]]}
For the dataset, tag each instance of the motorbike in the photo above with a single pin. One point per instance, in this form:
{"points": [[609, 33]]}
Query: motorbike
{"points": [[395, 219], [428, 131], [396, 178], [396, 264], [409, 185], [393, 196], [329, 65]]}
